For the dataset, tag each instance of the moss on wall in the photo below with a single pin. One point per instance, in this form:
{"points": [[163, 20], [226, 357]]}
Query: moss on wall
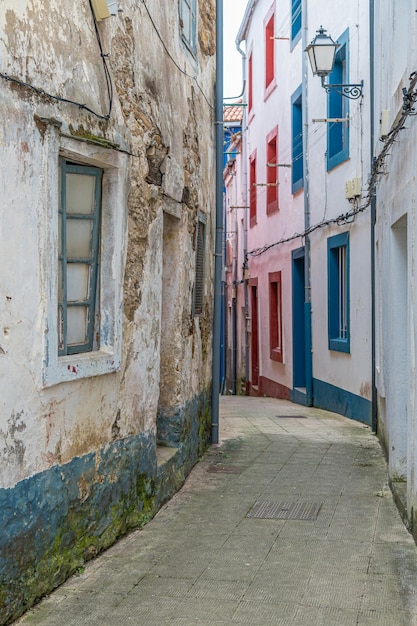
{"points": [[55, 521]]}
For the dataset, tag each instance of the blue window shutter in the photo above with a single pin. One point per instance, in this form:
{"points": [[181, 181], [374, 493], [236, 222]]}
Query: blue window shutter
{"points": [[188, 23], [338, 107], [338, 302], [295, 18], [297, 172]]}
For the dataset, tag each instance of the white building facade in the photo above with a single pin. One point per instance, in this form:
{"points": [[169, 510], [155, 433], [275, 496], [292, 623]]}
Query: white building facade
{"points": [[106, 174], [394, 145]]}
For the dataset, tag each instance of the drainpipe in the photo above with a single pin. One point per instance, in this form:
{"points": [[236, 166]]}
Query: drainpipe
{"points": [[215, 389], [245, 215], [307, 268], [225, 336], [373, 214], [234, 309]]}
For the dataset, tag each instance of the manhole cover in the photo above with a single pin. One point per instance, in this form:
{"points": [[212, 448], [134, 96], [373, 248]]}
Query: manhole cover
{"points": [[285, 510], [224, 469], [287, 417]]}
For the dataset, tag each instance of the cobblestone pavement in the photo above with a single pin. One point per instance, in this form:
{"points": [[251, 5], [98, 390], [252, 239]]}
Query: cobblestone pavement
{"points": [[202, 560]]}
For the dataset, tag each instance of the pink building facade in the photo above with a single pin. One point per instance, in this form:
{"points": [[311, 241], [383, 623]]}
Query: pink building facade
{"points": [[305, 160]]}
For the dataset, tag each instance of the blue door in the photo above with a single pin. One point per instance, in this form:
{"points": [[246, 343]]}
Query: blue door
{"points": [[298, 320]]}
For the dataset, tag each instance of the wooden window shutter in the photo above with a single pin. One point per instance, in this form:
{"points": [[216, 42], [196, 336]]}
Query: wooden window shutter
{"points": [[199, 264]]}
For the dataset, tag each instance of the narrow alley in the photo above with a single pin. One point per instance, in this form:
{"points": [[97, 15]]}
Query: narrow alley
{"points": [[289, 520]]}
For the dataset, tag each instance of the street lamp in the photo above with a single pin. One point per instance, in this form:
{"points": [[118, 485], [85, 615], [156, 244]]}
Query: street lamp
{"points": [[322, 54]]}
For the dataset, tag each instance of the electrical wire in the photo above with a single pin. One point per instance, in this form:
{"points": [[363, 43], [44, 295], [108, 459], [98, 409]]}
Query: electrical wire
{"points": [[172, 58], [104, 59], [409, 100], [45, 94]]}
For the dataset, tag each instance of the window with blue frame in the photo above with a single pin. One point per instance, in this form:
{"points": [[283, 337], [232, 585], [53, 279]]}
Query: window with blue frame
{"points": [[78, 251], [297, 140], [188, 24], [295, 20], [338, 107], [338, 292]]}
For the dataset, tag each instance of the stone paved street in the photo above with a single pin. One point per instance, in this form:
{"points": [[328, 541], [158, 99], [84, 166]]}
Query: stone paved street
{"points": [[201, 560]]}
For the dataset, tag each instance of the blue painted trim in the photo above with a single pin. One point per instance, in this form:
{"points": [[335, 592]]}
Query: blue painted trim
{"points": [[298, 397], [338, 107], [54, 521], [91, 262], [298, 324], [335, 342], [331, 398], [190, 39], [296, 18], [297, 172]]}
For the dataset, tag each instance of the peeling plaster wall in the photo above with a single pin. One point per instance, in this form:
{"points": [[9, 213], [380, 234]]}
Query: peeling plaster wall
{"points": [[395, 234], [157, 152]]}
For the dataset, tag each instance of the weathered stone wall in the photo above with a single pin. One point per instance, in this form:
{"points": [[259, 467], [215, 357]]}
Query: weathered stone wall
{"points": [[78, 435]]}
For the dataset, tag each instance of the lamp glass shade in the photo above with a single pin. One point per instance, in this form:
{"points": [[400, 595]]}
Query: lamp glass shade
{"points": [[322, 52]]}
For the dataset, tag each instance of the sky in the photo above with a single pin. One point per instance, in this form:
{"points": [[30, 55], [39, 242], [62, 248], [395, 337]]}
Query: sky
{"points": [[233, 11]]}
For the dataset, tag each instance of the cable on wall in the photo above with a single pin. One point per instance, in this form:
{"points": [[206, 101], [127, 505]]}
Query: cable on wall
{"points": [[45, 94], [194, 78], [409, 100]]}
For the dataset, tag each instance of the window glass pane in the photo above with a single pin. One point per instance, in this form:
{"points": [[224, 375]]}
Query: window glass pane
{"points": [[79, 234], [342, 294], [80, 193], [77, 281], [77, 317]]}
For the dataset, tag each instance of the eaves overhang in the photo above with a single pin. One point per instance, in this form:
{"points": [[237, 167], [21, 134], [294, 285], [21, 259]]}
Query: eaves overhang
{"points": [[243, 30]]}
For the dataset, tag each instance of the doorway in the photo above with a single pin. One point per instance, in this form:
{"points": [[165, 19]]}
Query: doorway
{"points": [[298, 320], [254, 334]]}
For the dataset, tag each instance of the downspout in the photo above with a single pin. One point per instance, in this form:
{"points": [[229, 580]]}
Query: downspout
{"points": [[245, 216], [215, 389], [373, 214], [234, 311], [224, 331], [307, 258]]}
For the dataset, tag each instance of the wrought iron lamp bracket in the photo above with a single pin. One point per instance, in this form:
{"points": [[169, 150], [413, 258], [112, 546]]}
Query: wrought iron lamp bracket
{"points": [[352, 91]]}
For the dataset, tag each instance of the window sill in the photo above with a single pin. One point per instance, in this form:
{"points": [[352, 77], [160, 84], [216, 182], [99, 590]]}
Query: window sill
{"points": [[79, 366], [269, 89], [297, 186], [272, 208], [295, 38], [340, 345], [276, 355], [337, 159]]}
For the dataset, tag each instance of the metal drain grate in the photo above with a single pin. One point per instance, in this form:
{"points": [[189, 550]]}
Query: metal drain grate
{"points": [[287, 417], [285, 510], [224, 469]]}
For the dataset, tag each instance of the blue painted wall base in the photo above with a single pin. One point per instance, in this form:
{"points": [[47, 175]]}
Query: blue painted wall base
{"points": [[340, 401], [53, 522], [298, 397]]}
